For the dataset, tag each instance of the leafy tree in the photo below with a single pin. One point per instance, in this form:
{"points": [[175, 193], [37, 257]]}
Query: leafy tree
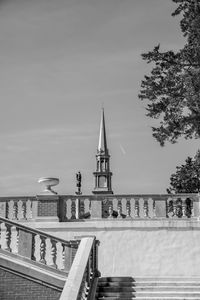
{"points": [[173, 87], [187, 176]]}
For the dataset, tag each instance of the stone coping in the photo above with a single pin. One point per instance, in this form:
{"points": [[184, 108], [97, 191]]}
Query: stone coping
{"points": [[121, 224], [155, 196]]}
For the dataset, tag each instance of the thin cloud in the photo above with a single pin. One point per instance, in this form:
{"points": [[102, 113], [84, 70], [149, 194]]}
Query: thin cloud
{"points": [[122, 149]]}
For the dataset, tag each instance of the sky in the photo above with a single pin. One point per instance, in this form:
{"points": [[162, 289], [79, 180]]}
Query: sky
{"points": [[60, 62]]}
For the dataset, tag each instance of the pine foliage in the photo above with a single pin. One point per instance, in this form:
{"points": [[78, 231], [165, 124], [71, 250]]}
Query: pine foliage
{"points": [[187, 176]]}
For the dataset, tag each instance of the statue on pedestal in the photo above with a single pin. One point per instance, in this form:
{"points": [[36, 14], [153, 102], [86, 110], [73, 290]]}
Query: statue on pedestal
{"points": [[78, 182]]}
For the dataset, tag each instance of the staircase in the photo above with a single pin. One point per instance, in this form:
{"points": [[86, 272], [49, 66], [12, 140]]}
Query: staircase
{"points": [[33, 264], [148, 288]]}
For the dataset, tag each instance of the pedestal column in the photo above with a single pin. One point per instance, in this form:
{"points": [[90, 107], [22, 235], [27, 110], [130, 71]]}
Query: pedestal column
{"points": [[47, 208]]}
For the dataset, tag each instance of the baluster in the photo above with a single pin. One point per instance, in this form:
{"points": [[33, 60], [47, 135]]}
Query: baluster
{"points": [[87, 208], [123, 207], [115, 206], [67, 257], [10, 209], [154, 208], [53, 254], [17, 240], [30, 209], [132, 208], [174, 208], [146, 208], [65, 209], [7, 210], [73, 209], [192, 208], [87, 279], [82, 207], [77, 208], [167, 208], [42, 249], [65, 218], [94, 256], [23, 210], [128, 209], [110, 210], [33, 250], [7, 241], [14, 239], [184, 208], [137, 209], [105, 208], [91, 270], [63, 264], [171, 209], [15, 210], [83, 289], [179, 208], [119, 209], [92, 263], [189, 208]]}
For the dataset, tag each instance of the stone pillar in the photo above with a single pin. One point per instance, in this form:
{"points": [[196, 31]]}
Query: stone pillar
{"points": [[96, 209], [47, 208], [3, 212], [25, 243], [160, 208]]}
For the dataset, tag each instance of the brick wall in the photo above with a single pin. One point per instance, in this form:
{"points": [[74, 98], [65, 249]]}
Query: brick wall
{"points": [[16, 287], [47, 208]]}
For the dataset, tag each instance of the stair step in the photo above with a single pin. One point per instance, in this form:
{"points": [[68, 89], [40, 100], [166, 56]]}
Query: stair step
{"points": [[150, 283], [148, 289], [149, 298], [118, 279], [150, 279], [149, 294]]}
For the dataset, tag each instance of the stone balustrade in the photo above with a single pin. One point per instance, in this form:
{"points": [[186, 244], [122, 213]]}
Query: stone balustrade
{"points": [[129, 207], [67, 208], [36, 246], [18, 208]]}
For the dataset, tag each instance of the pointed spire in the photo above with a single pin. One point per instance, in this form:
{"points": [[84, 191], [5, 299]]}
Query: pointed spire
{"points": [[102, 146]]}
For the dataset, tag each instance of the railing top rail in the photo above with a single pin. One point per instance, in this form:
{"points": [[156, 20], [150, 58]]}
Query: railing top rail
{"points": [[9, 198], [39, 232], [73, 284], [153, 196], [90, 196]]}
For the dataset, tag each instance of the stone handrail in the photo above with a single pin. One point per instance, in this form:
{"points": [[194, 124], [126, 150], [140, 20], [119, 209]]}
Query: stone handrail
{"points": [[83, 271], [36, 246], [66, 208]]}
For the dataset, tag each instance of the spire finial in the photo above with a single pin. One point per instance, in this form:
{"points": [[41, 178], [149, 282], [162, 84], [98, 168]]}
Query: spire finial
{"points": [[102, 146]]}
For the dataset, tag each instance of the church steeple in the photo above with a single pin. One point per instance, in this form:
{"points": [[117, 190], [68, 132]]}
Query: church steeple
{"points": [[103, 184]]}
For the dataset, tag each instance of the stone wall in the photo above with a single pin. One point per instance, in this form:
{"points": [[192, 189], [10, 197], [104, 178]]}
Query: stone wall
{"points": [[140, 247]]}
